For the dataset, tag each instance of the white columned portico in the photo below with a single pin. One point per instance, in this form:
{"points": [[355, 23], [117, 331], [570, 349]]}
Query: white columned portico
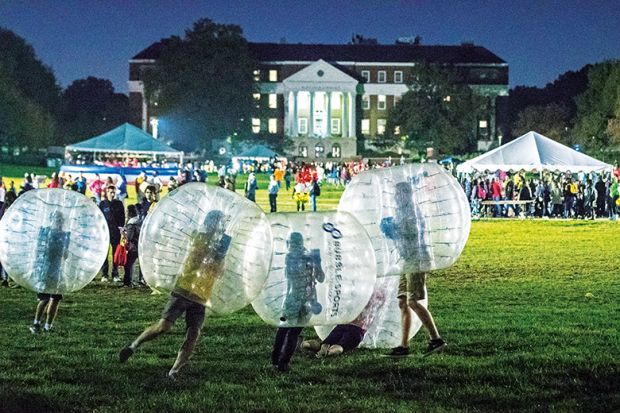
{"points": [[311, 116], [352, 128], [345, 115], [287, 114], [294, 131], [329, 113]]}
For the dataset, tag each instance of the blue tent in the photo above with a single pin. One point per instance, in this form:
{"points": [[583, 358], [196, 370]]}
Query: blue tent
{"points": [[125, 139]]}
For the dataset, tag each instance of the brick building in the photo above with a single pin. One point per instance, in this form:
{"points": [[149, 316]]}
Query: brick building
{"points": [[326, 96]]}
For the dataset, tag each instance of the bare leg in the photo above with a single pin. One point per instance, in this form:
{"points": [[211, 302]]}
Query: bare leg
{"points": [[52, 311], [426, 318], [38, 314], [151, 332], [405, 321], [186, 350]]}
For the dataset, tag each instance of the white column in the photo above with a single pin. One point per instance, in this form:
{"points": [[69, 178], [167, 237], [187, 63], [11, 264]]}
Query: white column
{"points": [[294, 132], [311, 117], [144, 113], [353, 126], [329, 113], [345, 117], [287, 115]]}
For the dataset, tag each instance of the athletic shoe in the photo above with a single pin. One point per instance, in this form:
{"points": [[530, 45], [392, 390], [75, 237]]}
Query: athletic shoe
{"points": [[47, 329], [116, 279], [124, 354], [173, 375], [35, 328], [435, 346], [399, 351], [104, 279]]}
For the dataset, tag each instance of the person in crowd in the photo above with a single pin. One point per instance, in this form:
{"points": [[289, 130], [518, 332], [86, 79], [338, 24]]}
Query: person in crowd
{"points": [[54, 183], [496, 195], [273, 193], [141, 178], [250, 187], [287, 179], [114, 213], [148, 201], [614, 195], [601, 188], [315, 191], [172, 184], [556, 200], [131, 235], [300, 195], [204, 264], [96, 188], [80, 184]]}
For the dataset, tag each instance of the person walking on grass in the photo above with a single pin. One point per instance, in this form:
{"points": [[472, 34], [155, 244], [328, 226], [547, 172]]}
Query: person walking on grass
{"points": [[273, 188], [203, 266]]}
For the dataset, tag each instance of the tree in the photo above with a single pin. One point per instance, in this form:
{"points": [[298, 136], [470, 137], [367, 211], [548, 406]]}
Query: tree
{"points": [[552, 120], [202, 85], [597, 106], [91, 107], [437, 111]]}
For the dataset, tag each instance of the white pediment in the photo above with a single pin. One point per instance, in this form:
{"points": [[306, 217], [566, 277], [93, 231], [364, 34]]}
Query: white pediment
{"points": [[320, 76]]}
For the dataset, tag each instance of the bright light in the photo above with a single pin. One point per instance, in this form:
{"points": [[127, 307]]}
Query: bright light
{"points": [[154, 124]]}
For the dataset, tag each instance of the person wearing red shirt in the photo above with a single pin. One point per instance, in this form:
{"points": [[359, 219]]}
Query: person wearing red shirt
{"points": [[496, 194]]}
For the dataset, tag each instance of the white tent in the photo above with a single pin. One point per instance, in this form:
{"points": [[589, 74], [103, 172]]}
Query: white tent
{"points": [[533, 152]]}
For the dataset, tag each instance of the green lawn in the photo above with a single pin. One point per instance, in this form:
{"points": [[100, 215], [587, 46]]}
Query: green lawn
{"points": [[530, 312]]}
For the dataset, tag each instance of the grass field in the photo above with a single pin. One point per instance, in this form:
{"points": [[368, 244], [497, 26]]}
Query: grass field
{"points": [[530, 312]]}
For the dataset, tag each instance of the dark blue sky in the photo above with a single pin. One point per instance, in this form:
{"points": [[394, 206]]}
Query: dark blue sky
{"points": [[539, 39]]}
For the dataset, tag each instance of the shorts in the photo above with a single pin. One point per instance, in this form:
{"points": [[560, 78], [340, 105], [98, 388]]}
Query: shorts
{"points": [[348, 336], [177, 305], [45, 296], [412, 285]]}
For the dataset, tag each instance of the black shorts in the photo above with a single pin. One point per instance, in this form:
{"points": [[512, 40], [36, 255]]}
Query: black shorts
{"points": [[348, 336], [177, 305], [45, 296]]}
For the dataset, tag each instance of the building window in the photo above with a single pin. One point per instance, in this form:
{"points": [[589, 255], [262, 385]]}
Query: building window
{"points": [[396, 130], [365, 102], [273, 101], [318, 150], [365, 126], [398, 76], [273, 75], [380, 126], [273, 125], [335, 126], [302, 126], [366, 75], [381, 102], [255, 125], [381, 76], [482, 124], [256, 75], [303, 151], [336, 151], [256, 96]]}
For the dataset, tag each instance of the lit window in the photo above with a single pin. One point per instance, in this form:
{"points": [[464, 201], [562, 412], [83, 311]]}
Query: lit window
{"points": [[303, 151], [335, 101], [398, 76], [366, 126], [256, 75], [366, 75], [273, 100], [482, 124], [302, 125], [365, 102], [381, 76], [336, 151], [447, 98], [256, 96], [318, 150], [273, 125], [381, 102], [396, 130], [335, 126], [273, 75], [380, 126], [255, 125]]}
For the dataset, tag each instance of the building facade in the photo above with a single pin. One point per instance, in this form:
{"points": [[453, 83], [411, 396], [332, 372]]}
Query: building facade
{"points": [[326, 97]]}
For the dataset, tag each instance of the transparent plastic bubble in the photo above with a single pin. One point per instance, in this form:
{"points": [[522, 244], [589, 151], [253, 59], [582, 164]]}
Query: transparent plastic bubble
{"points": [[53, 241], [417, 216], [322, 272], [381, 317], [207, 244]]}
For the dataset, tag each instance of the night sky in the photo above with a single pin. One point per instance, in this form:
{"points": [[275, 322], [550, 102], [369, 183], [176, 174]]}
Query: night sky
{"points": [[539, 39]]}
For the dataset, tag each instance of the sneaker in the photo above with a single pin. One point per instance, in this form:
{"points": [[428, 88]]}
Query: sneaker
{"points": [[435, 346], [35, 328], [124, 354], [399, 351], [104, 279], [47, 329], [173, 375], [116, 279]]}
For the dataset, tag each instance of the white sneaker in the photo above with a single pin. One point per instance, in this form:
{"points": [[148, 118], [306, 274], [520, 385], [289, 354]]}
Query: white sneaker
{"points": [[116, 279], [104, 279]]}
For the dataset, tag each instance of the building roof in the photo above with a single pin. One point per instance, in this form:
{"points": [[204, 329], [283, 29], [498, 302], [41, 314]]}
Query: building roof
{"points": [[398, 53]]}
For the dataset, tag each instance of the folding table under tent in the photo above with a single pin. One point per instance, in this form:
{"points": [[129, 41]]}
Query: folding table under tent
{"points": [[533, 152]]}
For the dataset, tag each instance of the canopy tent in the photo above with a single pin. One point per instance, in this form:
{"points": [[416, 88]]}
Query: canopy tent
{"points": [[125, 139], [533, 152]]}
